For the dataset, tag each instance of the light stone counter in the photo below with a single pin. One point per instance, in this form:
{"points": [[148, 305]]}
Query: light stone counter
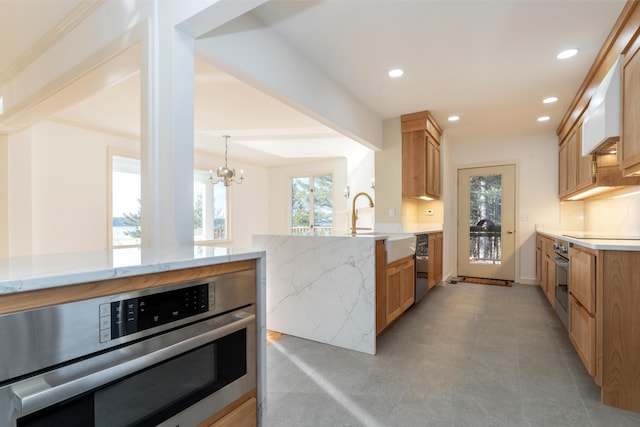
{"points": [[27, 273], [322, 288]]}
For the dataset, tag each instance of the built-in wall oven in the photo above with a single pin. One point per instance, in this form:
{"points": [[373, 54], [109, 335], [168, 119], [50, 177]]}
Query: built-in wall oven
{"points": [[170, 356], [561, 259]]}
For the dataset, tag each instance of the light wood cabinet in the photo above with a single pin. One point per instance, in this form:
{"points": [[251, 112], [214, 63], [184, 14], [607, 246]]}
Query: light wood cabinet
{"points": [[546, 267], [395, 287], [630, 135], [400, 287], [245, 415], [420, 156], [434, 265], [583, 312], [582, 277], [575, 170], [582, 332]]}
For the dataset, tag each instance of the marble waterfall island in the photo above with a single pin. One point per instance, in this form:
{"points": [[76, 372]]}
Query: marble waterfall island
{"points": [[322, 288]]}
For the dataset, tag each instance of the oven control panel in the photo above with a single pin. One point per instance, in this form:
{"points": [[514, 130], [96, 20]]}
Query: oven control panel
{"points": [[132, 315]]}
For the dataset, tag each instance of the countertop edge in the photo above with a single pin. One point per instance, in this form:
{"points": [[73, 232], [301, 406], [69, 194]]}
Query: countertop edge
{"points": [[597, 244]]}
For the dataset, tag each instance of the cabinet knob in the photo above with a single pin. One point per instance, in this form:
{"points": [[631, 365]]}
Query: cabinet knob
{"points": [[510, 231]]}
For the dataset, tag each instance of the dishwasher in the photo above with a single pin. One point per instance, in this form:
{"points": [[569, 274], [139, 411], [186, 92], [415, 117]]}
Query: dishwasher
{"points": [[422, 266]]}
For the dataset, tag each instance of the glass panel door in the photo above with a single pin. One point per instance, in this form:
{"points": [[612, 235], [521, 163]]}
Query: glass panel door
{"points": [[486, 222]]}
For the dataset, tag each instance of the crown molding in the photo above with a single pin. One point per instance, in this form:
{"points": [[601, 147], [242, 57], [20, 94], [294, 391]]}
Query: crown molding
{"points": [[75, 17]]}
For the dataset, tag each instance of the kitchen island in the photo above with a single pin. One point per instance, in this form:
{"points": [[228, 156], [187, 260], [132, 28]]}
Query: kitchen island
{"points": [[134, 313], [334, 289]]}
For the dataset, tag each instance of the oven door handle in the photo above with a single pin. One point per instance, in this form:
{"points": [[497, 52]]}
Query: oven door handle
{"points": [[560, 261], [37, 393]]}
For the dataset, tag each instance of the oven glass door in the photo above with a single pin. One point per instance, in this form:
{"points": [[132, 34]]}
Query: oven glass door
{"points": [[155, 393]]}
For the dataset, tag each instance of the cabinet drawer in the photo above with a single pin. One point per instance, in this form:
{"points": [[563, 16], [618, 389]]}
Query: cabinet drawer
{"points": [[582, 332], [582, 278]]}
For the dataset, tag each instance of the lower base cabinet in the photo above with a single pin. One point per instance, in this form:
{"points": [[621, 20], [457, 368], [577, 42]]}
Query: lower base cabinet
{"points": [[400, 287], [435, 259], [245, 415], [582, 332]]}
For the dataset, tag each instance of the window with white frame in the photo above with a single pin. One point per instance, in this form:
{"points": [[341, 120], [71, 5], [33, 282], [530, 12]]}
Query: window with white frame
{"points": [[210, 205], [312, 205]]}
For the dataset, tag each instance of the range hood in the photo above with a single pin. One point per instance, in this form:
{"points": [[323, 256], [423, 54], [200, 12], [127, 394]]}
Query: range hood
{"points": [[601, 124]]}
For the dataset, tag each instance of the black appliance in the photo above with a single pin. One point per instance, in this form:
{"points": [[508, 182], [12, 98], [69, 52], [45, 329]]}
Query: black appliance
{"points": [[561, 259], [422, 266]]}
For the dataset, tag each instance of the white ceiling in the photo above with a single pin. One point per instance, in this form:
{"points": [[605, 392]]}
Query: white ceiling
{"points": [[489, 61]]}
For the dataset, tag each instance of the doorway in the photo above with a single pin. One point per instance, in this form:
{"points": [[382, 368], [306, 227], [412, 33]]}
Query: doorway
{"points": [[486, 222]]}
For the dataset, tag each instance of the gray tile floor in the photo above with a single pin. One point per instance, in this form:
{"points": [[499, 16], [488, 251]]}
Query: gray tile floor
{"points": [[466, 355]]}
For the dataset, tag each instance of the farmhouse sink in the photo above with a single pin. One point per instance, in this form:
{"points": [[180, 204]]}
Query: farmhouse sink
{"points": [[400, 246]]}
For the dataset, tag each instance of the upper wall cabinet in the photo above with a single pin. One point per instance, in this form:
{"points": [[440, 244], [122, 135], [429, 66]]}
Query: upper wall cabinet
{"points": [[616, 152], [420, 156], [630, 138]]}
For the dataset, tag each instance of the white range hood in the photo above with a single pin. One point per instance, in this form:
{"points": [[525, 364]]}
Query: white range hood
{"points": [[601, 124]]}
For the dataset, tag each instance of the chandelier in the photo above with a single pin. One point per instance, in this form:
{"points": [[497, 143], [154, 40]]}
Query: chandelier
{"points": [[225, 174]]}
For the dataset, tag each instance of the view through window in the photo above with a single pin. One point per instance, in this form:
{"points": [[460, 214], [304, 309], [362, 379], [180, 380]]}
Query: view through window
{"points": [[210, 205], [312, 205]]}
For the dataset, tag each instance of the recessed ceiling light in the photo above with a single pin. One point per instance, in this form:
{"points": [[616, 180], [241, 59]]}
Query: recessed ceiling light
{"points": [[544, 118], [550, 100], [396, 72], [567, 53], [453, 118]]}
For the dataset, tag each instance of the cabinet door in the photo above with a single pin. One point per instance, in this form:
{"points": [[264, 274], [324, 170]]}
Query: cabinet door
{"points": [[572, 161], [414, 161], [584, 177], [435, 259], [582, 332], [563, 169], [244, 415], [630, 136], [582, 278], [408, 293], [395, 278], [433, 168]]}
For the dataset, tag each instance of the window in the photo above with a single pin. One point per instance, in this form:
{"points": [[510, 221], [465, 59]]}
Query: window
{"points": [[312, 205], [125, 201], [210, 208], [210, 205]]}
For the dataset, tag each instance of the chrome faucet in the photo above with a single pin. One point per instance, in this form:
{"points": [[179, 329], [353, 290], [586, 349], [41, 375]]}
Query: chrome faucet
{"points": [[354, 213]]}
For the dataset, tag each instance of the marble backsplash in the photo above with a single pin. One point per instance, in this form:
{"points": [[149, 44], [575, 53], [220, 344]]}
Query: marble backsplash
{"points": [[618, 213]]}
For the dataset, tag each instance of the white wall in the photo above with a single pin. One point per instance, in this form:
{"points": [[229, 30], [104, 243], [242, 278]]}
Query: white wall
{"points": [[4, 195], [536, 158], [58, 189]]}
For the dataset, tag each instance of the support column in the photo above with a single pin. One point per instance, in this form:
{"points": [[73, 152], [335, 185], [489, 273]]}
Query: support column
{"points": [[167, 85]]}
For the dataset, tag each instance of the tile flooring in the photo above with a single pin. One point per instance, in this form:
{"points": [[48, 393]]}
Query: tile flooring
{"points": [[466, 355]]}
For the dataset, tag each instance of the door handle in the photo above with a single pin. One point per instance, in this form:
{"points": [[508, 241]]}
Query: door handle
{"points": [[510, 231]]}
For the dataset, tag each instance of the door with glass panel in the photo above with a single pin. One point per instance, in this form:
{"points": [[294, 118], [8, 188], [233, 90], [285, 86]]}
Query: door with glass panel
{"points": [[486, 222], [312, 205]]}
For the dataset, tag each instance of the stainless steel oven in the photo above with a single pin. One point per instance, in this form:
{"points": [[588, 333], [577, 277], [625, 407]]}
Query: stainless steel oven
{"points": [[170, 356], [560, 257]]}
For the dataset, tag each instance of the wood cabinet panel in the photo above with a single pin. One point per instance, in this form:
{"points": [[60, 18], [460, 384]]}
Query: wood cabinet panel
{"points": [[414, 164], [394, 306], [630, 135], [621, 329], [582, 332], [582, 277], [244, 415], [420, 156], [435, 259]]}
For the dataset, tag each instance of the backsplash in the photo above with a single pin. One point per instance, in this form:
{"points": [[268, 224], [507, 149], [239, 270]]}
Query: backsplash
{"points": [[618, 213]]}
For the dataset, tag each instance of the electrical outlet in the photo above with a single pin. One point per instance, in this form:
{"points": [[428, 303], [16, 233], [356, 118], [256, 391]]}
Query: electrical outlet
{"points": [[429, 212], [524, 218], [392, 212]]}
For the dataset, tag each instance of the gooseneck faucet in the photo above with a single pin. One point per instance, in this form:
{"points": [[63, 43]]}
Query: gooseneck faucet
{"points": [[354, 213]]}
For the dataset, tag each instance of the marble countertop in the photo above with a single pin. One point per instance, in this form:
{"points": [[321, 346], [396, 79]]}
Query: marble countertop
{"points": [[611, 244], [26, 273]]}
